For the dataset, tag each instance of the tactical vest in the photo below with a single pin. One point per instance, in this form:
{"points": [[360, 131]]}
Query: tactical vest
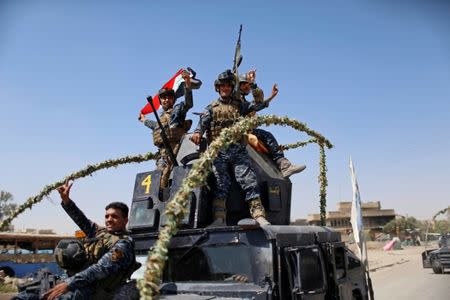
{"points": [[174, 135], [223, 115], [100, 245]]}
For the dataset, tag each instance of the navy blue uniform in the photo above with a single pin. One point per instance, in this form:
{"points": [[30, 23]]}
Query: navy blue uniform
{"points": [[118, 259], [235, 157]]}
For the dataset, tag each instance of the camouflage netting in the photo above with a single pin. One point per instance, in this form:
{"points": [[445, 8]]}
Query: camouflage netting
{"points": [[176, 208], [88, 170]]}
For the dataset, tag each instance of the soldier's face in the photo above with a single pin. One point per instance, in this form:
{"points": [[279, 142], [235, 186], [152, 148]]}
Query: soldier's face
{"points": [[114, 220], [167, 102], [245, 87], [225, 90]]}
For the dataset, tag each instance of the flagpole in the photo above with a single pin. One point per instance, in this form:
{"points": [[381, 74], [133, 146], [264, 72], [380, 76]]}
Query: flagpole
{"points": [[358, 228], [163, 133]]}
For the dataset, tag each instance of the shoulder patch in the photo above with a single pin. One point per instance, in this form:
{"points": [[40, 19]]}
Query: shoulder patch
{"points": [[117, 254]]}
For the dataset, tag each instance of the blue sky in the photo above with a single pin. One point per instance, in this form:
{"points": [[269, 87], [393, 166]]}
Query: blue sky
{"points": [[373, 77]]}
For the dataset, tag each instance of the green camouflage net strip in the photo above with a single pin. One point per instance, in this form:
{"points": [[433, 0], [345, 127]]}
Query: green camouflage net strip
{"points": [[88, 170], [323, 182], [176, 209], [297, 145]]}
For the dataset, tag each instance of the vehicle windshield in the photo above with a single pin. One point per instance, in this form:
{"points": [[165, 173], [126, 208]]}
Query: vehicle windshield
{"points": [[209, 263]]}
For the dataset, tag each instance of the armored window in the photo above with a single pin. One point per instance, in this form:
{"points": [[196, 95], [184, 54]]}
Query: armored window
{"points": [[141, 216], [306, 270], [226, 263]]}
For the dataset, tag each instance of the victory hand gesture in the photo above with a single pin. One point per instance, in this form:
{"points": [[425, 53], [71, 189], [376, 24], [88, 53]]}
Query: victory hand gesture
{"points": [[64, 191]]}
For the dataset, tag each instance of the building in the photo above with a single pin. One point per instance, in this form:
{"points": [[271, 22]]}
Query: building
{"points": [[373, 216]]}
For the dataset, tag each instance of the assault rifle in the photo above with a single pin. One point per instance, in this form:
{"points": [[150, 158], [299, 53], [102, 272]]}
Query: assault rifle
{"points": [[163, 133], [237, 61]]}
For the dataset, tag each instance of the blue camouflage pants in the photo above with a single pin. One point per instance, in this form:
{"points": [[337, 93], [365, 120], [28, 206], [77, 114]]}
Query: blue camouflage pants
{"points": [[269, 140], [235, 159]]}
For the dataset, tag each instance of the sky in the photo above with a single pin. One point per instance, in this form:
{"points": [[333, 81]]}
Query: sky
{"points": [[371, 76]]}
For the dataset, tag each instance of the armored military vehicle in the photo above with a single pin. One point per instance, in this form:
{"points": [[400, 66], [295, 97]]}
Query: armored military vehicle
{"points": [[438, 259], [242, 259]]}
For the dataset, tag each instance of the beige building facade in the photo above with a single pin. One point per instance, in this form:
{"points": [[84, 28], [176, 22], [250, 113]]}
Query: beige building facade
{"points": [[374, 217]]}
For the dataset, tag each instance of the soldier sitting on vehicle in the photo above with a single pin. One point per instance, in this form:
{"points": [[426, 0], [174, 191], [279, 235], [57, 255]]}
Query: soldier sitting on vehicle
{"points": [[220, 114], [246, 85], [173, 119], [109, 257]]}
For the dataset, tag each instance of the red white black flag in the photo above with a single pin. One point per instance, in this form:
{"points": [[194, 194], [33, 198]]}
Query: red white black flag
{"points": [[175, 83]]}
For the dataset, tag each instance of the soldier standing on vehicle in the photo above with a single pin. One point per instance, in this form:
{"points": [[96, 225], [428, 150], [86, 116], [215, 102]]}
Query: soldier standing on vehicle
{"points": [[173, 119], [220, 114], [109, 251], [247, 84]]}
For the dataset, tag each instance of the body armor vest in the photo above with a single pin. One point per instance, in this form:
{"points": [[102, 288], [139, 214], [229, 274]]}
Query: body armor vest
{"points": [[174, 135], [97, 247], [223, 115]]}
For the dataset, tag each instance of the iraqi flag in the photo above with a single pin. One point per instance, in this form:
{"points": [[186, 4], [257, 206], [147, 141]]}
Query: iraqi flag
{"points": [[175, 83]]}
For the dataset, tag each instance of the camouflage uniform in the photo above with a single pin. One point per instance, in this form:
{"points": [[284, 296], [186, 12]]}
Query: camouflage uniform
{"points": [[111, 261], [175, 126], [218, 115], [111, 258]]}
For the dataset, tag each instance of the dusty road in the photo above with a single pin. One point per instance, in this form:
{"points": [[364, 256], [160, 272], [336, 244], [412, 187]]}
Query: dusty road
{"points": [[399, 275]]}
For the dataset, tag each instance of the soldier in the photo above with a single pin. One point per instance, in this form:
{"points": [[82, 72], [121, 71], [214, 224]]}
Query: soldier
{"points": [[109, 253], [173, 119], [220, 114], [246, 85]]}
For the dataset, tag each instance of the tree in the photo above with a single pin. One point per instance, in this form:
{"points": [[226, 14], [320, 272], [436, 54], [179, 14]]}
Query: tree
{"points": [[442, 226], [403, 224], [6, 207]]}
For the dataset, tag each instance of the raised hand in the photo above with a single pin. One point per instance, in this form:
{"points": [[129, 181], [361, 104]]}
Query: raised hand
{"points": [[142, 117], [274, 91], [187, 78], [251, 75], [64, 191]]}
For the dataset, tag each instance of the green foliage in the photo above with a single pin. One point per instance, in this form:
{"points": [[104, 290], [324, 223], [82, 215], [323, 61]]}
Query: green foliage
{"points": [[442, 227], [7, 288], [87, 171], [403, 224], [6, 207]]}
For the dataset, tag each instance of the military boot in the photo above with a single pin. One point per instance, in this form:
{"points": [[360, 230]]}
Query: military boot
{"points": [[257, 211], [287, 168], [219, 213]]}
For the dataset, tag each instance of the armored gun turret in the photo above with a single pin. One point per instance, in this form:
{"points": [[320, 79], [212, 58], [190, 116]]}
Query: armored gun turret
{"points": [[149, 202], [242, 259]]}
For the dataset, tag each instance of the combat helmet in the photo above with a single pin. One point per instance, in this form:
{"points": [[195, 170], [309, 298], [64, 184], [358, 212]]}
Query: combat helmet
{"points": [[166, 92], [225, 77], [243, 78], [70, 255]]}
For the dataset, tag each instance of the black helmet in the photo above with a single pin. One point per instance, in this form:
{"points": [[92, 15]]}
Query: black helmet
{"points": [[225, 77], [70, 254], [166, 92]]}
